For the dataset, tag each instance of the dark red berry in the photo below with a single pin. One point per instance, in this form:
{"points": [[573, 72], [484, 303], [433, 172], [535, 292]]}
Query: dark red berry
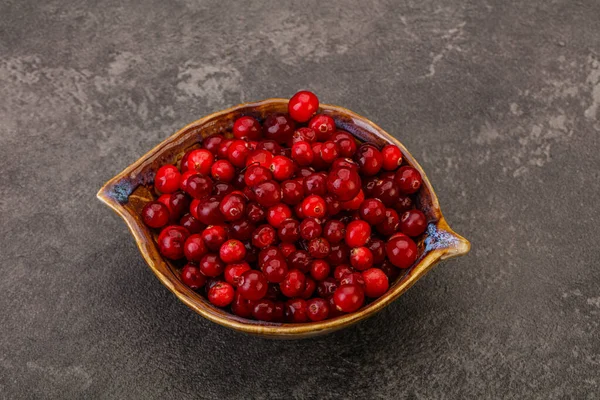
{"points": [[214, 236], [324, 125], [208, 212], [264, 310], [278, 127], [233, 207], [314, 206], [192, 277], [326, 287], [302, 153], [390, 224], [237, 153], [293, 283], [408, 179], [194, 248], [287, 248], [377, 247], [349, 298], [369, 159], [319, 248], [401, 251], [171, 241], [275, 269], [353, 278], [241, 230], [248, 128], [268, 193], [339, 254], [344, 183], [413, 223], [253, 285], [289, 231], [242, 307], [334, 231], [372, 211], [304, 135], [191, 224], [211, 143], [317, 309], [309, 288], [342, 270], [263, 236], [260, 157], [255, 213], [155, 214], [329, 151], [295, 310], [292, 192], [310, 228], [211, 265], [316, 184], [299, 260], [233, 272]]}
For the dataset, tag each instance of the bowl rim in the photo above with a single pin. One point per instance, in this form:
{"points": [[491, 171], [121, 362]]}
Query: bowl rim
{"points": [[456, 244]]}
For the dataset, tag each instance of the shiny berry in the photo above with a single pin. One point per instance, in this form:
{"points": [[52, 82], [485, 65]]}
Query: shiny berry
{"points": [[171, 241], [369, 159], [233, 272], [303, 105], [263, 236], [211, 144], [302, 153], [260, 157], [233, 207], [320, 269], [401, 251], [155, 214], [386, 191], [232, 251], [292, 192], [199, 186], [287, 248], [289, 231], [361, 258], [214, 236], [278, 127], [256, 174], [376, 282], [344, 163], [349, 298], [255, 213], [277, 214], [222, 170], [304, 135], [179, 203], [353, 278], [268, 253], [346, 147], [326, 287], [275, 269], [241, 307], [355, 203], [392, 157], [413, 223], [299, 260], [194, 248], [324, 125], [310, 228], [241, 230], [237, 153], [208, 212], [319, 248], [247, 128], [199, 160], [377, 247], [344, 183], [329, 151], [192, 277], [268, 193], [253, 285], [264, 310], [403, 204], [342, 270], [408, 179], [220, 189], [339, 254], [223, 149], [314, 206], [317, 309], [293, 283], [333, 204], [295, 310], [167, 179], [390, 224], [316, 184], [221, 294], [282, 168], [357, 233], [191, 224], [334, 231], [269, 145], [372, 211]]}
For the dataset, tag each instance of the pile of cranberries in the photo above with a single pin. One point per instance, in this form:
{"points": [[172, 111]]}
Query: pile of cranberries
{"points": [[288, 219]]}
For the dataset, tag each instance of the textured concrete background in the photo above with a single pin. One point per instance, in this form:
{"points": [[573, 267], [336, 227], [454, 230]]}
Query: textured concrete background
{"points": [[499, 102]]}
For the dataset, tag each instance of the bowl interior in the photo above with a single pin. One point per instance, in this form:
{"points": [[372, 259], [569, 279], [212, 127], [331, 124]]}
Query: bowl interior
{"points": [[128, 192]]}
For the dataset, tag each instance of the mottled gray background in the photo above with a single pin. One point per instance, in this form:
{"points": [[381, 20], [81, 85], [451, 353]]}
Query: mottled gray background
{"points": [[498, 100]]}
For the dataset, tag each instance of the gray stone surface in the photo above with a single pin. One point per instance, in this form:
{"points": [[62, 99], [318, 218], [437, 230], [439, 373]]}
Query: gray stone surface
{"points": [[499, 101]]}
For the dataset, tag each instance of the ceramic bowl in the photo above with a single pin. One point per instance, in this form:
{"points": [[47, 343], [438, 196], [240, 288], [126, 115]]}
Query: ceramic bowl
{"points": [[127, 193]]}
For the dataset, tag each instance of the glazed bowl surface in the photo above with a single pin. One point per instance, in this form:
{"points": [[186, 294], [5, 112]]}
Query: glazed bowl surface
{"points": [[129, 191]]}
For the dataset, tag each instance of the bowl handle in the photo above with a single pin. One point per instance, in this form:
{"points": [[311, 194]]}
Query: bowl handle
{"points": [[441, 237]]}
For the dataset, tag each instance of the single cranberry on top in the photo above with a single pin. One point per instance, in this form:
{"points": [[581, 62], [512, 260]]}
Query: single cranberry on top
{"points": [[314, 206], [376, 282], [303, 105], [248, 128], [221, 294]]}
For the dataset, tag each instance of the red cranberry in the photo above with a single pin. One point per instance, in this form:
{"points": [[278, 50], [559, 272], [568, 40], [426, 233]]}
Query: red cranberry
{"points": [[357, 233], [275, 269], [316, 184], [277, 214], [392, 157], [264, 310], [372, 211], [241, 230], [167, 179], [403, 204], [222, 170], [232, 207], [342, 270], [191, 277], [198, 186], [376, 282], [317, 309], [237, 153], [268, 253], [310, 228], [220, 189], [349, 298], [287, 248], [319, 248], [221, 294], [303, 105], [208, 212], [247, 128], [377, 247], [319, 269], [326, 287], [241, 306], [211, 143], [214, 236], [386, 191], [292, 192], [295, 310], [369, 159], [194, 248], [223, 150], [333, 204], [171, 241], [304, 172], [233, 272], [191, 224], [324, 125], [260, 157], [255, 213], [334, 231], [184, 178], [314, 206], [253, 285], [155, 214], [408, 179], [293, 283], [179, 203], [269, 145], [302, 153], [232, 251], [347, 147], [299, 211], [278, 127], [299, 260], [339, 253], [289, 231], [267, 193], [211, 265], [413, 223], [318, 163], [304, 135], [344, 183], [263, 236], [401, 251], [282, 168], [329, 151], [361, 258], [390, 224], [353, 278], [199, 160], [309, 288], [344, 163]]}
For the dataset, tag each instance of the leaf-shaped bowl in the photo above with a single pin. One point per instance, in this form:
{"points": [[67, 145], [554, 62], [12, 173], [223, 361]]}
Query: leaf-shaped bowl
{"points": [[127, 193]]}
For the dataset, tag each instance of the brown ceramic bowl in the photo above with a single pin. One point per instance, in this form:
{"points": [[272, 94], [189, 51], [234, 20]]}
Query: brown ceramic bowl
{"points": [[127, 193]]}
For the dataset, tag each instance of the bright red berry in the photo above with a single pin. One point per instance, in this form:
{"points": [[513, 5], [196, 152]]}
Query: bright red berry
{"points": [[369, 159], [408, 179], [302, 153], [199, 160], [277, 214], [314, 206], [320, 269], [344, 183], [282, 168], [222, 170], [263, 236], [194, 248], [376, 282], [171, 241], [349, 298], [401, 251], [324, 125], [233, 272], [214, 236], [211, 265], [357, 233], [248, 128], [361, 258], [221, 294], [317, 309], [237, 153], [293, 283], [233, 207], [253, 285], [303, 105], [392, 157], [232, 251], [372, 211], [167, 179]]}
